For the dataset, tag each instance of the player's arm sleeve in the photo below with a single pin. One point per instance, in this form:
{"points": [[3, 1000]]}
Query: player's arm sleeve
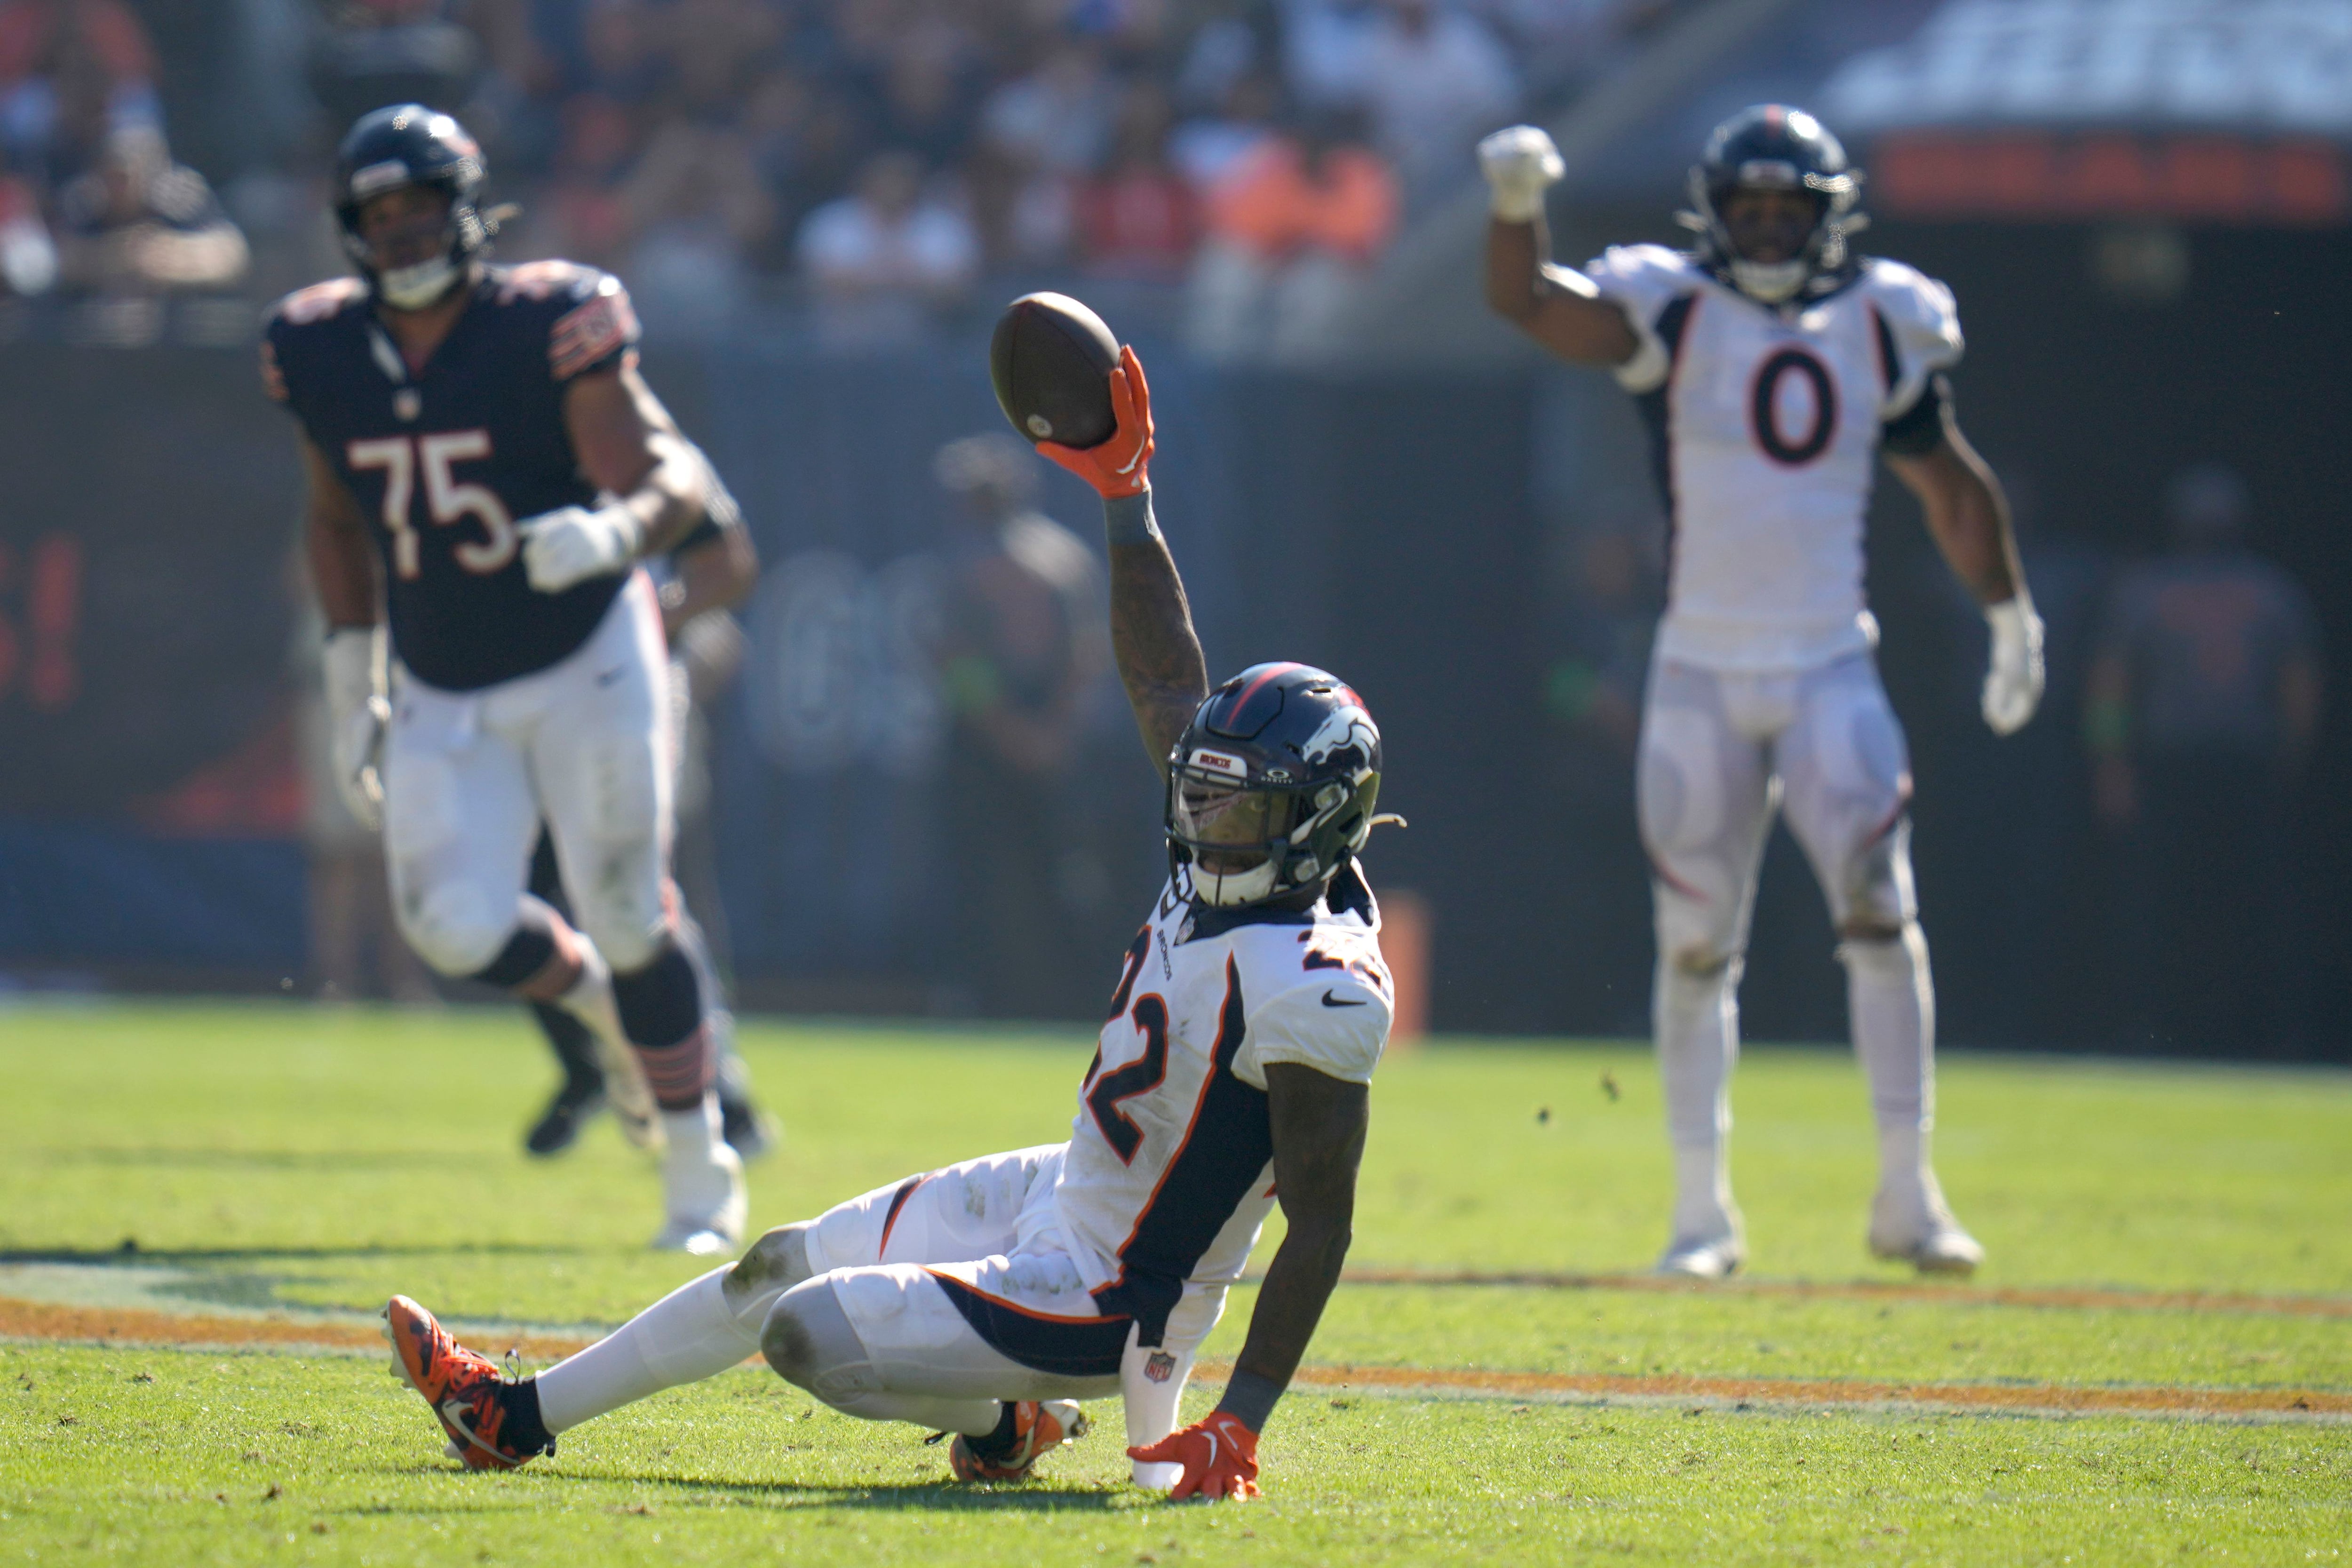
{"points": [[1338, 1026], [1641, 280], [596, 330], [1917, 327]]}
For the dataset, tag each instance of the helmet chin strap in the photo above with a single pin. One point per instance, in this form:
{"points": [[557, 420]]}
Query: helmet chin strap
{"points": [[1769, 281], [415, 288], [1233, 889]]}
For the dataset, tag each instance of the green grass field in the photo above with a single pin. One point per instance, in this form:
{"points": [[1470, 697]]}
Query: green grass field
{"points": [[302, 1161]]}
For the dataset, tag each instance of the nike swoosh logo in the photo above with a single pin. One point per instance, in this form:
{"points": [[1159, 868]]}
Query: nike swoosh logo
{"points": [[610, 676], [1331, 1001]]}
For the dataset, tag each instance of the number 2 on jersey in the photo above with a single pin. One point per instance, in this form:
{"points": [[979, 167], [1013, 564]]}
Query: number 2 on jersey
{"points": [[1140, 1076], [445, 498]]}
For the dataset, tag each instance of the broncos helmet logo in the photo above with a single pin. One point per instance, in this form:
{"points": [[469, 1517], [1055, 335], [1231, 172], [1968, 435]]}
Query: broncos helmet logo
{"points": [[1345, 728]]}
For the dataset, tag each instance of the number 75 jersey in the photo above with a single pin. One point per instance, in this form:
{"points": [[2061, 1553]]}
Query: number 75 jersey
{"points": [[1765, 424], [1168, 1177], [445, 461]]}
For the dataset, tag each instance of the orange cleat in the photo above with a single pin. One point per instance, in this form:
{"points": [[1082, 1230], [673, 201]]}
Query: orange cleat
{"points": [[1040, 1426], [461, 1385]]}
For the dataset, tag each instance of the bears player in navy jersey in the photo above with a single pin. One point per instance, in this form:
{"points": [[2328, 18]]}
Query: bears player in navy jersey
{"points": [[486, 470], [1773, 366], [987, 1298]]}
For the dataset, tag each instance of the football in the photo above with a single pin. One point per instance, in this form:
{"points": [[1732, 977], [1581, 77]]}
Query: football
{"points": [[1051, 361]]}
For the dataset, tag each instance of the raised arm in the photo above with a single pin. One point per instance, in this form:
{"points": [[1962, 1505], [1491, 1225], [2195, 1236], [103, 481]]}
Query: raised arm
{"points": [[1555, 306], [1152, 634]]}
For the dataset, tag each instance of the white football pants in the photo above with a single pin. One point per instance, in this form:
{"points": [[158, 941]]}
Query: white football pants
{"points": [[1720, 752], [584, 744], [959, 1296], [931, 1300]]}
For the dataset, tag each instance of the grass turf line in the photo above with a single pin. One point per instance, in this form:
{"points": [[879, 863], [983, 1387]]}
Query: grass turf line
{"points": [[161, 1456], [284, 1155]]}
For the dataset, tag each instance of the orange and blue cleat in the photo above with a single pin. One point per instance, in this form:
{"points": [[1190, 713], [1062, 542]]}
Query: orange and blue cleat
{"points": [[1039, 1426], [475, 1406]]}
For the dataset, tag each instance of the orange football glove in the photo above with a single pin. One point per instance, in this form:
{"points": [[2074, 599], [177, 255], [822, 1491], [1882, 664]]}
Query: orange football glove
{"points": [[1219, 1456], [1120, 465]]}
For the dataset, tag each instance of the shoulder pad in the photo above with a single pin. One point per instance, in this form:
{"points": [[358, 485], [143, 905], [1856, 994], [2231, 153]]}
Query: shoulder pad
{"points": [[597, 320], [1643, 280], [1917, 328], [1919, 311], [548, 280], [318, 302]]}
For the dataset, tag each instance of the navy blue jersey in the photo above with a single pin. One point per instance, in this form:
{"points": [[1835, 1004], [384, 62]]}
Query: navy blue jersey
{"points": [[446, 461]]}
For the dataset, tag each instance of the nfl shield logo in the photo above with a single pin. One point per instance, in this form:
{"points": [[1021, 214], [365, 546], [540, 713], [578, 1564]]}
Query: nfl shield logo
{"points": [[1161, 1367]]}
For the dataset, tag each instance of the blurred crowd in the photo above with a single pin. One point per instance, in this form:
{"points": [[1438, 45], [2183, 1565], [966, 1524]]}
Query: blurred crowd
{"points": [[877, 157]]}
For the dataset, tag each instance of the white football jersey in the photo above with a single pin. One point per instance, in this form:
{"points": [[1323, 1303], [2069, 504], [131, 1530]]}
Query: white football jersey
{"points": [[1767, 424], [1168, 1177]]}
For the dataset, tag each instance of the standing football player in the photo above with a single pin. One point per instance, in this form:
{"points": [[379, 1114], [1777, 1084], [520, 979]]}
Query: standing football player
{"points": [[460, 423], [985, 1299], [1771, 364], [705, 576]]}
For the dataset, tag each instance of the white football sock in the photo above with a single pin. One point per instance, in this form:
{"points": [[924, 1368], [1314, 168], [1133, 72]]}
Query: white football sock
{"points": [[1696, 1018], [590, 999], [691, 1333], [692, 1134], [1891, 1003]]}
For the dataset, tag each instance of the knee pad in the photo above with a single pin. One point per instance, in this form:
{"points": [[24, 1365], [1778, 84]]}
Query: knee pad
{"points": [[455, 927], [776, 1262], [1875, 900], [808, 1340]]}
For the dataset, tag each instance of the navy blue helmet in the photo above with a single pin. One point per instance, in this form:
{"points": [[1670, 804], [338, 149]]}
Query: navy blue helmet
{"points": [[1271, 787], [394, 148], [1773, 146]]}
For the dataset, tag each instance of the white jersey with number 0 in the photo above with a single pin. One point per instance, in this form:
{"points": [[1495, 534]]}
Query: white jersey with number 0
{"points": [[1768, 422], [1169, 1175]]}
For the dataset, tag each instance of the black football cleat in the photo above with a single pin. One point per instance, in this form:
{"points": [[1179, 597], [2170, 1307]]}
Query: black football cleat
{"points": [[573, 1107]]}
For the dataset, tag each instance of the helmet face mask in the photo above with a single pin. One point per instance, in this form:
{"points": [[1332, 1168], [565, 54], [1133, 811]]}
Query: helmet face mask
{"points": [[406, 235], [1271, 788]]}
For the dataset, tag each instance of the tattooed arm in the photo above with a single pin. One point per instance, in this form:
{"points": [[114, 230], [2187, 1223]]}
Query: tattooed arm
{"points": [[1152, 633]]}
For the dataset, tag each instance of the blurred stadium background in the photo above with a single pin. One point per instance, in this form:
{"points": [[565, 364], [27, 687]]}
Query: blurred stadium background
{"points": [[819, 205]]}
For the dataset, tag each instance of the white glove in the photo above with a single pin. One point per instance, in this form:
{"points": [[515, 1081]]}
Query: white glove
{"points": [[571, 544], [356, 716], [2013, 687], [1519, 164]]}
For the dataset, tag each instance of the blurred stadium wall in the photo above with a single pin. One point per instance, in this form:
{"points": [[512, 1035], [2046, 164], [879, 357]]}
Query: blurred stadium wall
{"points": [[2150, 274]]}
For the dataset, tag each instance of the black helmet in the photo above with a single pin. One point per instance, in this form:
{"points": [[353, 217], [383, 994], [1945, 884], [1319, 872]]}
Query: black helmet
{"points": [[1772, 145], [409, 144], [1276, 777]]}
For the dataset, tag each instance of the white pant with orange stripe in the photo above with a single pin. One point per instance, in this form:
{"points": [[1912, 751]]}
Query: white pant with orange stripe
{"points": [[1721, 750], [958, 1295]]}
